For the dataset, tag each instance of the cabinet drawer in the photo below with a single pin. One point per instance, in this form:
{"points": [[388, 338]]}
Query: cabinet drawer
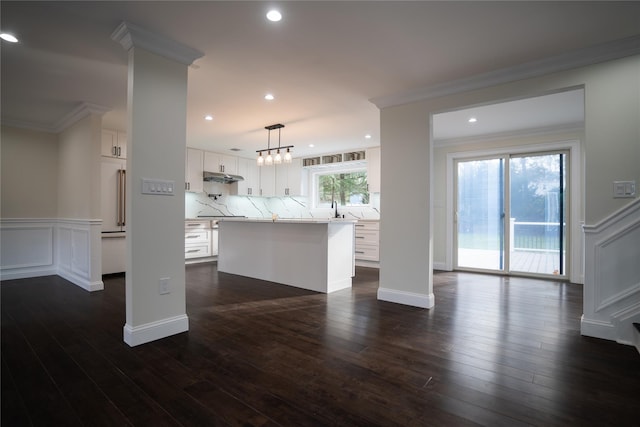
{"points": [[367, 253], [197, 236], [371, 237], [197, 251], [367, 226], [195, 225]]}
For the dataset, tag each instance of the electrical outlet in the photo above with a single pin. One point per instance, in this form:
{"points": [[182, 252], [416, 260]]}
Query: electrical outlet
{"points": [[163, 286]]}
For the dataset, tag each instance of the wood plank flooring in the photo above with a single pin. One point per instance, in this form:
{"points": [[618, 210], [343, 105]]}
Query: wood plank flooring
{"points": [[494, 351]]}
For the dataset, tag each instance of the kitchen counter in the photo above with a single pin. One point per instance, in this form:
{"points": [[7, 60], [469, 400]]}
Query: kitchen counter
{"points": [[313, 254], [291, 220]]}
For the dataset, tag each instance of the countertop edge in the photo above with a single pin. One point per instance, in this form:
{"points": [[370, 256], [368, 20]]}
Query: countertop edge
{"points": [[291, 220]]}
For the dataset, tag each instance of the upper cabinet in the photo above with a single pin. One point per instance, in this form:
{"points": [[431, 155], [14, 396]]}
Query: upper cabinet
{"points": [[193, 171], [248, 169], [288, 179], [373, 169], [267, 181], [215, 162], [114, 144]]}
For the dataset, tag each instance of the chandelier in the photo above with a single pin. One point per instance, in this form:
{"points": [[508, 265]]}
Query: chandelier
{"points": [[269, 160]]}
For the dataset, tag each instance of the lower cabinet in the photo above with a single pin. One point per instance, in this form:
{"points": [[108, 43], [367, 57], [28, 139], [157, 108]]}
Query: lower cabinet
{"points": [[367, 237], [198, 240], [114, 253]]}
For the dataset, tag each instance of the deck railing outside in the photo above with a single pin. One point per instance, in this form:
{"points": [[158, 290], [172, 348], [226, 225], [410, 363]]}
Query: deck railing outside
{"points": [[534, 248]]}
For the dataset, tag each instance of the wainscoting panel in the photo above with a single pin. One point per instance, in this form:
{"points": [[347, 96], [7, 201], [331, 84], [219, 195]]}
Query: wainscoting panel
{"points": [[612, 276], [27, 248], [75, 250], [40, 247]]}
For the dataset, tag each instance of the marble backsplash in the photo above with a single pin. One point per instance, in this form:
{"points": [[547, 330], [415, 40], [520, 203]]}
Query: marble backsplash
{"points": [[197, 204]]}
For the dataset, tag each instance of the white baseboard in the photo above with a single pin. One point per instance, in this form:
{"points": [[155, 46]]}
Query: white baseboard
{"points": [[25, 273], [597, 329], [406, 298], [80, 281], [136, 335], [338, 285], [442, 266]]}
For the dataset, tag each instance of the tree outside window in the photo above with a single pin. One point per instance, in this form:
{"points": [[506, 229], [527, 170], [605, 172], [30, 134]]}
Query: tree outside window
{"points": [[347, 188]]}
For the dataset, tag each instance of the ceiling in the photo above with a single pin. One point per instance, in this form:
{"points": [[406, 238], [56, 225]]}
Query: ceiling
{"points": [[323, 61]]}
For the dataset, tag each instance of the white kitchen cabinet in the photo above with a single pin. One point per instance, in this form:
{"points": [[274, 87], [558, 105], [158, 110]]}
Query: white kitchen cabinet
{"points": [[367, 236], [267, 181], [215, 162], [114, 253], [197, 239], [214, 242], [288, 180], [193, 171], [248, 169], [114, 144], [373, 169]]}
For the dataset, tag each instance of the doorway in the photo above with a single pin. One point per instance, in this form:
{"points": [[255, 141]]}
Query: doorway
{"points": [[510, 214]]}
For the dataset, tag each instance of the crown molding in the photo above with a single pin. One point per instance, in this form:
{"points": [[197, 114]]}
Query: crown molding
{"points": [[80, 112], [83, 110], [577, 58], [23, 124], [130, 36]]}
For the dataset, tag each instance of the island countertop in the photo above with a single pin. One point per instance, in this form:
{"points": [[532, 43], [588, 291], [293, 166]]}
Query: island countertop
{"points": [[291, 220]]}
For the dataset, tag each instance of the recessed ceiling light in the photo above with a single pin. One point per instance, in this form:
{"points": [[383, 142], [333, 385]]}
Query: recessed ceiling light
{"points": [[311, 145], [8, 37], [367, 136], [269, 97], [208, 117], [473, 120], [274, 16]]}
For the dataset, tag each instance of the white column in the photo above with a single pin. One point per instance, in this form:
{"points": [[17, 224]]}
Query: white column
{"points": [[156, 104]]}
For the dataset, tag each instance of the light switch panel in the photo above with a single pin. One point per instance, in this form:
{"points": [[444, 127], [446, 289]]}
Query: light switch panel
{"points": [[159, 187], [624, 189]]}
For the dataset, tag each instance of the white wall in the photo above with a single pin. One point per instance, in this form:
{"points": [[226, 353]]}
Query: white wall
{"points": [[406, 269], [51, 203], [29, 180], [79, 170], [611, 151], [156, 132]]}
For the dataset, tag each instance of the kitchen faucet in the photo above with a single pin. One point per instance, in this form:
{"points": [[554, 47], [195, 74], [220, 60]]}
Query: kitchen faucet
{"points": [[336, 207]]}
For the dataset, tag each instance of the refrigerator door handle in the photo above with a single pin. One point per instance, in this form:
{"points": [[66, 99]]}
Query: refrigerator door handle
{"points": [[121, 196], [124, 196]]}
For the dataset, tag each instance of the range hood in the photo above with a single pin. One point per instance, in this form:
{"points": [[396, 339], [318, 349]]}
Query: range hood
{"points": [[221, 177]]}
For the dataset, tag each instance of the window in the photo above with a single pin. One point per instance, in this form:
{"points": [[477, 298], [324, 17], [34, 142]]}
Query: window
{"points": [[347, 187]]}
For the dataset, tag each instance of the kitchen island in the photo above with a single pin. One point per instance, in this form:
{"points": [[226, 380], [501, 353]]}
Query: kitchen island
{"points": [[312, 254]]}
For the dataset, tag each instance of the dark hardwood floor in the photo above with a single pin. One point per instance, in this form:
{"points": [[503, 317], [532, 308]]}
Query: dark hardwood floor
{"points": [[494, 351]]}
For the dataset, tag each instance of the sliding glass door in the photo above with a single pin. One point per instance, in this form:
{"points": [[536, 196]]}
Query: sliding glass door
{"points": [[480, 214], [510, 214], [537, 213]]}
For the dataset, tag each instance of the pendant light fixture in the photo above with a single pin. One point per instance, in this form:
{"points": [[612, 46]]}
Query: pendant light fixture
{"points": [[279, 158]]}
